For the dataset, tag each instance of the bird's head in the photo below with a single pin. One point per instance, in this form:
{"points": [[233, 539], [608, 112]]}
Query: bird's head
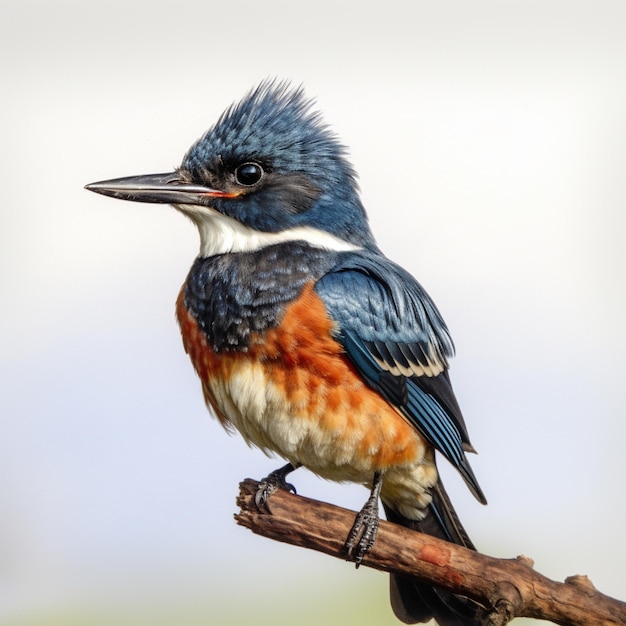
{"points": [[268, 171]]}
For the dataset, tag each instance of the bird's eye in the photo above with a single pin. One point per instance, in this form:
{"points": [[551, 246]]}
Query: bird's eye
{"points": [[248, 174]]}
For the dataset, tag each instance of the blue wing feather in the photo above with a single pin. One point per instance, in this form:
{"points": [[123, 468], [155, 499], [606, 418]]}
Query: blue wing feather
{"points": [[397, 339]]}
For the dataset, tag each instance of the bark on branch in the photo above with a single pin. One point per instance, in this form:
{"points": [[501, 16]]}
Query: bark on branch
{"points": [[508, 587]]}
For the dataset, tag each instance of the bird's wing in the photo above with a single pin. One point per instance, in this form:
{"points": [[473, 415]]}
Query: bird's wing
{"points": [[394, 335]]}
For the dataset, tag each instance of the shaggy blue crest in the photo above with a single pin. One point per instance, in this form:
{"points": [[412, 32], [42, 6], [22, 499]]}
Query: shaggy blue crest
{"points": [[279, 123]]}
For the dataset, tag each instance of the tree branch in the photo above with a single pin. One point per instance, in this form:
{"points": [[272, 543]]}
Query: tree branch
{"points": [[508, 587]]}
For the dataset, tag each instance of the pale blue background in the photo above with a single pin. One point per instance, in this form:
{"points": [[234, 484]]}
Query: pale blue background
{"points": [[490, 139]]}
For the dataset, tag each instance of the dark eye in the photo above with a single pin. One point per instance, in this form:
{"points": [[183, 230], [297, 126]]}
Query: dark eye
{"points": [[248, 174]]}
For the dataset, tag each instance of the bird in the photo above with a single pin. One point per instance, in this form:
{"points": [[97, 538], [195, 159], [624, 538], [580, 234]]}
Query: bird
{"points": [[307, 339]]}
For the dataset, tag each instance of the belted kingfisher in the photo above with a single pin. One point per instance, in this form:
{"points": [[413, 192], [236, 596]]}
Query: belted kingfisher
{"points": [[306, 338]]}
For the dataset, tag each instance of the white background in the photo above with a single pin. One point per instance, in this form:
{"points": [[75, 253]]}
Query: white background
{"points": [[490, 141]]}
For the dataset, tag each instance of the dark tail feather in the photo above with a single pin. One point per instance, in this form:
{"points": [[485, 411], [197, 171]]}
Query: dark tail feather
{"points": [[413, 601]]}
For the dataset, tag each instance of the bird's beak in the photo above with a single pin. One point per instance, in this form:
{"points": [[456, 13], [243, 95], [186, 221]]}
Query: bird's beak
{"points": [[159, 188]]}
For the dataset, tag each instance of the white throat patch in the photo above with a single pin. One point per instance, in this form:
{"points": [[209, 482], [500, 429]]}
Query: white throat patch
{"points": [[220, 234]]}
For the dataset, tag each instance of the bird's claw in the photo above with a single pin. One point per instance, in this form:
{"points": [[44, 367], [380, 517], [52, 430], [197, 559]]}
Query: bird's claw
{"points": [[365, 528], [270, 484], [363, 532]]}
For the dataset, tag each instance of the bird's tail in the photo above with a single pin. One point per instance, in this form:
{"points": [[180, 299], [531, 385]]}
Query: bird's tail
{"points": [[414, 601]]}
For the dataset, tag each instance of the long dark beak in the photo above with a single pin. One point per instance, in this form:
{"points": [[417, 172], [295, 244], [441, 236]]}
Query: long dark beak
{"points": [[159, 188]]}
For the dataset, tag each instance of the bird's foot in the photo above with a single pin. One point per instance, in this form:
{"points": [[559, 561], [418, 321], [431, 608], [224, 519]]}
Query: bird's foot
{"points": [[365, 528], [270, 484]]}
